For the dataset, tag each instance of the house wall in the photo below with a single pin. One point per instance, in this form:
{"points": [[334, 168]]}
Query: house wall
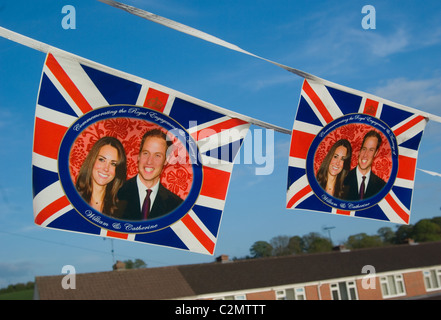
{"points": [[312, 292], [414, 283], [325, 292], [264, 295], [373, 293]]}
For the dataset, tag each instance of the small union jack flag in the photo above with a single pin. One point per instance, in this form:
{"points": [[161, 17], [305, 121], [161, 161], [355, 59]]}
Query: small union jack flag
{"points": [[80, 102], [330, 113]]}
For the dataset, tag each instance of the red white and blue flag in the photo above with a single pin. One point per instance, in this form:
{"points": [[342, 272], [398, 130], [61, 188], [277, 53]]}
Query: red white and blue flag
{"points": [[329, 113], [80, 102]]}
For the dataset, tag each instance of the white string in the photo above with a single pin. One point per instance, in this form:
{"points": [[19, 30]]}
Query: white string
{"points": [[207, 37], [432, 173], [43, 47], [199, 34]]}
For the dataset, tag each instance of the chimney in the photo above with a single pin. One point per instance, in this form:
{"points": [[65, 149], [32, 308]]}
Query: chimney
{"points": [[119, 265], [222, 258], [340, 248]]}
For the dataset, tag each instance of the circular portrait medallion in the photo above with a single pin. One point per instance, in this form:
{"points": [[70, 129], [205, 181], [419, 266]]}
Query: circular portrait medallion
{"points": [[352, 163], [111, 156]]}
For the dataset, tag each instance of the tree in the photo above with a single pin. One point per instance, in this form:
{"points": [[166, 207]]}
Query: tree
{"points": [[295, 245], [137, 264], [261, 249], [437, 220], [403, 233], [313, 242], [280, 245], [426, 230], [362, 240], [386, 235]]}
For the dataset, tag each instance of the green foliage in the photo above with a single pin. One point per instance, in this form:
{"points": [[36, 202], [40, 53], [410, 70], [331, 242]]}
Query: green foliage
{"points": [[19, 291], [261, 249], [18, 287], [313, 243], [403, 233], [295, 245], [362, 240], [284, 245], [280, 245], [137, 264], [26, 294], [386, 235], [424, 230]]}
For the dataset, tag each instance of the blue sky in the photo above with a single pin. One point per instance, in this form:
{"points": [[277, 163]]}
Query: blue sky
{"points": [[399, 60]]}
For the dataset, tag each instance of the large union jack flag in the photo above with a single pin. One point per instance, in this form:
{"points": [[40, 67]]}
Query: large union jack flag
{"points": [[328, 113], [74, 95]]}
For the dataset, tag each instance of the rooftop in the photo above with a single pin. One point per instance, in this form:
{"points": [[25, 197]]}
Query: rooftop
{"points": [[187, 281]]}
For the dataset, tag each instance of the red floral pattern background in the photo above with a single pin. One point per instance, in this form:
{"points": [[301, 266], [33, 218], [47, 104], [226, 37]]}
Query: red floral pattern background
{"points": [[177, 175], [354, 133]]}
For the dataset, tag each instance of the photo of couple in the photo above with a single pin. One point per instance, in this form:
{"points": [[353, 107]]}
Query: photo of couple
{"points": [[125, 178], [353, 163]]}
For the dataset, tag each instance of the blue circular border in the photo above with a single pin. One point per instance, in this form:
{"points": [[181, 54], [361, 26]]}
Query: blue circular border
{"points": [[128, 111], [340, 122]]}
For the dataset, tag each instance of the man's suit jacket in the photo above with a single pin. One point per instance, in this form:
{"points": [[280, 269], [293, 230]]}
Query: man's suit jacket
{"points": [[375, 184], [129, 207]]}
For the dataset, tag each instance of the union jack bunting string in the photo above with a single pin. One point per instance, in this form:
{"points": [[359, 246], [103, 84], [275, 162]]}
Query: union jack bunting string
{"points": [[78, 104], [327, 114]]}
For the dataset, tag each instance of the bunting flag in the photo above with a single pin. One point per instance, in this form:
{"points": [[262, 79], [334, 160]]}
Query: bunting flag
{"points": [[336, 133], [80, 102], [78, 105], [327, 113]]}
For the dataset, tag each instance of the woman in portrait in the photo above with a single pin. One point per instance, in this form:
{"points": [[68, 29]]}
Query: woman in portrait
{"points": [[334, 168], [102, 174]]}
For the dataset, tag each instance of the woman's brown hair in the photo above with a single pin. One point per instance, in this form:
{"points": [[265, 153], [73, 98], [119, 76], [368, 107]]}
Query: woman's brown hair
{"points": [[84, 180], [322, 173]]}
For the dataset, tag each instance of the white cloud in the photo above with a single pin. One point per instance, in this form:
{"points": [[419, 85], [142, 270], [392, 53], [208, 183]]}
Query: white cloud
{"points": [[8, 269], [382, 45], [16, 272], [5, 118], [335, 41], [423, 94], [265, 82], [343, 42]]}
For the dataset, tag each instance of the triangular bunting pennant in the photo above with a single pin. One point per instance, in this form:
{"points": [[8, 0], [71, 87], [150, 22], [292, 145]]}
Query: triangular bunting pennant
{"points": [[90, 158], [353, 154]]}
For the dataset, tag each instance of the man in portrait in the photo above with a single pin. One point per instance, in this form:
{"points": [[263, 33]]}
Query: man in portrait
{"points": [[143, 197], [361, 183]]}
